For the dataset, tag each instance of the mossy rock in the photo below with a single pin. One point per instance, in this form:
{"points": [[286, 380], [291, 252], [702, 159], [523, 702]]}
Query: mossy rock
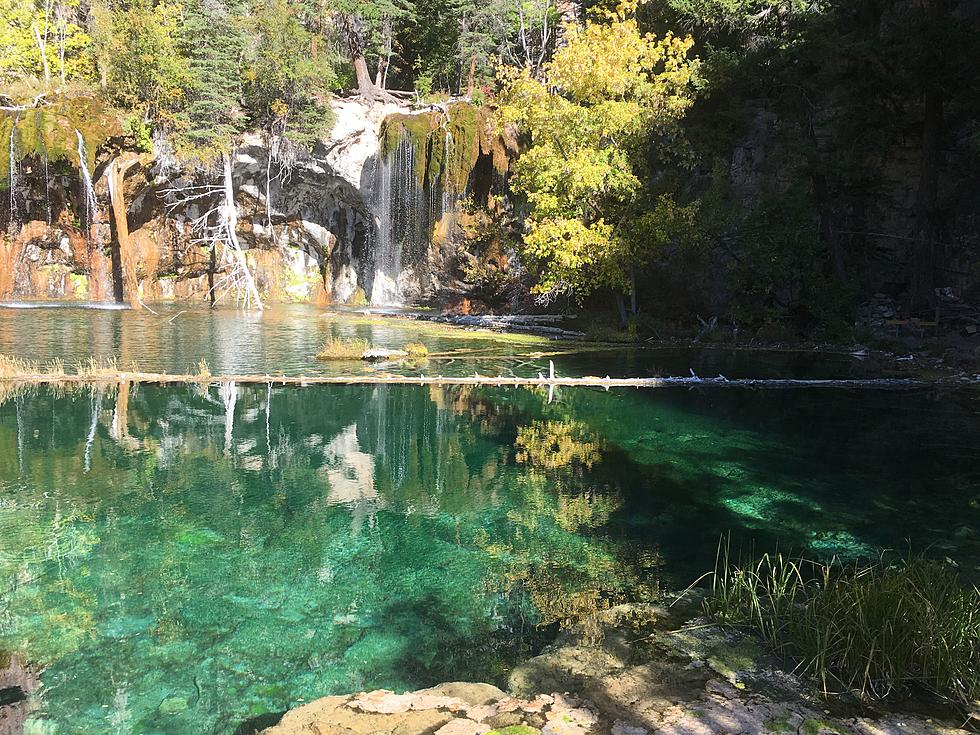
{"points": [[49, 131], [446, 145], [818, 727]]}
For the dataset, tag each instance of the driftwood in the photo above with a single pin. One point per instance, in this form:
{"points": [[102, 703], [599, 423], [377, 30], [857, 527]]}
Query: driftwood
{"points": [[109, 377], [530, 323]]}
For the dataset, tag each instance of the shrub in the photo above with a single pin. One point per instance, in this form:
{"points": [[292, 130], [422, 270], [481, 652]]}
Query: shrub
{"points": [[416, 349], [874, 629], [343, 349]]}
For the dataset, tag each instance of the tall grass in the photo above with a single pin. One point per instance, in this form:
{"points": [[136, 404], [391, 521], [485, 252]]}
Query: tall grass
{"points": [[343, 349], [13, 368], [876, 629]]}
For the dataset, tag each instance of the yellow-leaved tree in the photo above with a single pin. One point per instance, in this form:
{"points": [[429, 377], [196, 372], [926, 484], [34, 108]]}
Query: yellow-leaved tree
{"points": [[607, 97]]}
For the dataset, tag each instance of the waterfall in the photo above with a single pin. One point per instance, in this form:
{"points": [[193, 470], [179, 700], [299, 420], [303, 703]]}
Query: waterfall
{"points": [[407, 206], [96, 403], [13, 170], [397, 192], [88, 190]]}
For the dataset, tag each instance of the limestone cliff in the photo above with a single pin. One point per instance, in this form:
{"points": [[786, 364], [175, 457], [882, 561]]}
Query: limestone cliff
{"points": [[347, 222]]}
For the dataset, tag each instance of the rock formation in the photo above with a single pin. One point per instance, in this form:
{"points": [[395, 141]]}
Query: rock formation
{"points": [[367, 215]]}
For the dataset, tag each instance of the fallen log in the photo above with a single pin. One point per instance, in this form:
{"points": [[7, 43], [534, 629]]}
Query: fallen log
{"points": [[110, 377]]}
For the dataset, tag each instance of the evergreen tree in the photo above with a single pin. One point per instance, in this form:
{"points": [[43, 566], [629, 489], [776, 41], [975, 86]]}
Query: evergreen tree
{"points": [[213, 41], [285, 84]]}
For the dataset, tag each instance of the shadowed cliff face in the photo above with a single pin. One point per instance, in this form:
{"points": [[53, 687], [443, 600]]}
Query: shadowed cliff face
{"points": [[350, 221]]}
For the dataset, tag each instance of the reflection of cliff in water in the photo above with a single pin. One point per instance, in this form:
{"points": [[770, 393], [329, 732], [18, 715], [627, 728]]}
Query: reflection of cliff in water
{"points": [[333, 539]]}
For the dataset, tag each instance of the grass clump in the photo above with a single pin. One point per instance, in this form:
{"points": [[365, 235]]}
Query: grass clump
{"points": [[14, 368], [343, 349], [416, 349], [97, 367], [876, 629]]}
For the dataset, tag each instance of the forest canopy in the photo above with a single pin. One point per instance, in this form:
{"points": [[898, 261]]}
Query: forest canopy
{"points": [[764, 160]]}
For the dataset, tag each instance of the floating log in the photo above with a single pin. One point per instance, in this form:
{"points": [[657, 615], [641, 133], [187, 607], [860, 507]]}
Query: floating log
{"points": [[109, 377]]}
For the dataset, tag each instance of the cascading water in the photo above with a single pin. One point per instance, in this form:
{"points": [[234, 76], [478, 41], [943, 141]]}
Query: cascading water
{"points": [[408, 204], [229, 397], [12, 161], [88, 190]]}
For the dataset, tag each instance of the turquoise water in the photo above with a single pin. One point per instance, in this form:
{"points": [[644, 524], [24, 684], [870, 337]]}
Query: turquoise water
{"points": [[180, 560]]}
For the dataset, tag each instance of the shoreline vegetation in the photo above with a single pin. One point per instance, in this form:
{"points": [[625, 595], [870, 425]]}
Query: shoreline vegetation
{"points": [[873, 629]]}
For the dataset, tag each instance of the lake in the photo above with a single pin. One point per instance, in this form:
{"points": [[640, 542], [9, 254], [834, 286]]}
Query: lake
{"points": [[180, 559]]}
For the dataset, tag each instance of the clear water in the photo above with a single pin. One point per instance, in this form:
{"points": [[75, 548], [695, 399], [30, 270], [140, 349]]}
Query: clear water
{"points": [[284, 339], [179, 560]]}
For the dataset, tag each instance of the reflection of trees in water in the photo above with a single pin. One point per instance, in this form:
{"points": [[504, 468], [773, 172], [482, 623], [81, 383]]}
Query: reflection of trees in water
{"points": [[553, 445]]}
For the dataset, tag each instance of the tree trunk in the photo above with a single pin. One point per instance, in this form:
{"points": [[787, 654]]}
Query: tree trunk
{"points": [[11, 246], [633, 290], [42, 49], [365, 85], [230, 216], [212, 267], [115, 175], [355, 45], [621, 306]]}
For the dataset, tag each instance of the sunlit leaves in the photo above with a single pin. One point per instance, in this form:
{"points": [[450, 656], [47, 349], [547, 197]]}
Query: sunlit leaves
{"points": [[608, 92]]}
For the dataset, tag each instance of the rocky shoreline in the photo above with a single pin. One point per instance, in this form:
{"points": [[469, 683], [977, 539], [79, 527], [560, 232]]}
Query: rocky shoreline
{"points": [[650, 670]]}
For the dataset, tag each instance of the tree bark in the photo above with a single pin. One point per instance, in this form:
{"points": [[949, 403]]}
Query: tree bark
{"points": [[115, 174], [355, 46], [230, 216]]}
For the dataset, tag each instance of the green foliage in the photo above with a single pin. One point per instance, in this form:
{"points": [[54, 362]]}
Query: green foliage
{"points": [[876, 629], [137, 47], [285, 85], [213, 41], [608, 94], [139, 132], [44, 41]]}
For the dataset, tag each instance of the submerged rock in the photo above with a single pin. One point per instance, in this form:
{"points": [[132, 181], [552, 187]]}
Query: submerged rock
{"points": [[380, 353], [654, 671]]}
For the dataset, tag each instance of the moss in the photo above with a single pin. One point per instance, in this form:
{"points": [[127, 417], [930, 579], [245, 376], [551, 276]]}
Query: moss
{"points": [[780, 725], [446, 146], [49, 131], [815, 727], [729, 659], [343, 349], [515, 730], [416, 349], [6, 126], [358, 298]]}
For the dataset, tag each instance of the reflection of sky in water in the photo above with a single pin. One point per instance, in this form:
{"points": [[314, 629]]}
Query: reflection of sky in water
{"points": [[184, 559]]}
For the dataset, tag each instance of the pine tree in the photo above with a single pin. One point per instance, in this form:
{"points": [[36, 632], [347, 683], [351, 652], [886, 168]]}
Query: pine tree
{"points": [[213, 42]]}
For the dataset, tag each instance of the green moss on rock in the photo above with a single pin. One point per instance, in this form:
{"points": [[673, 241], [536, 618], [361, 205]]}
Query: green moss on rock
{"points": [[49, 130], [515, 730], [446, 144]]}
